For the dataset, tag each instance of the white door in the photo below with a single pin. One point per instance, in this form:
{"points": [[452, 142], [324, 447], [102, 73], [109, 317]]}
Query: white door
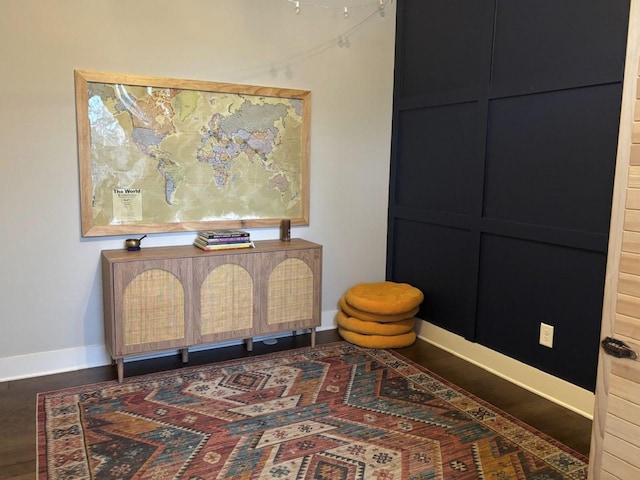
{"points": [[615, 441]]}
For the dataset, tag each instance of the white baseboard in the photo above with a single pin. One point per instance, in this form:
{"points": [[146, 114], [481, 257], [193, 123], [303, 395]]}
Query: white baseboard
{"points": [[552, 388], [89, 356], [56, 361]]}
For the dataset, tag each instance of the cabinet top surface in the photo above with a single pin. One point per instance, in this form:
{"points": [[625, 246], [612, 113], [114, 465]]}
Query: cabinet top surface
{"points": [[192, 251]]}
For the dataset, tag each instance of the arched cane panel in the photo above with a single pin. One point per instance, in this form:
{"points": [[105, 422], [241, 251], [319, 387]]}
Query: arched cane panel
{"points": [[153, 308], [226, 300], [290, 292]]}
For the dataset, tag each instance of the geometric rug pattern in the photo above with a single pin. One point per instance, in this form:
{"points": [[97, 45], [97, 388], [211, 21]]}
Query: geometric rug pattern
{"points": [[335, 412]]}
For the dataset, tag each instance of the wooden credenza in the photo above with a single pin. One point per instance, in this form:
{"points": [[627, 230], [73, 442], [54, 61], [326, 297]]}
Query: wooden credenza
{"points": [[164, 298]]}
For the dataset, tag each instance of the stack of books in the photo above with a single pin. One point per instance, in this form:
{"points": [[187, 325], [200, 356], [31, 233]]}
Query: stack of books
{"points": [[222, 239]]}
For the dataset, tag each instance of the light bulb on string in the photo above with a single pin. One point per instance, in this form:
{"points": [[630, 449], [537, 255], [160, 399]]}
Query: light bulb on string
{"points": [[297, 7], [346, 12], [343, 41]]}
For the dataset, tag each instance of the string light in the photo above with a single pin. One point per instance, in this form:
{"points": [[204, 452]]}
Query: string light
{"points": [[380, 4], [287, 65]]}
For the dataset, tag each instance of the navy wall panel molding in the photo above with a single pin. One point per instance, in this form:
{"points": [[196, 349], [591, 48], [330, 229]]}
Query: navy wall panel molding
{"points": [[504, 140]]}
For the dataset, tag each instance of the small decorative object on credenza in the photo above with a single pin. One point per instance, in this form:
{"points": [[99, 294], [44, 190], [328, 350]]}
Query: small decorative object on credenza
{"points": [[285, 230], [133, 244], [222, 239]]}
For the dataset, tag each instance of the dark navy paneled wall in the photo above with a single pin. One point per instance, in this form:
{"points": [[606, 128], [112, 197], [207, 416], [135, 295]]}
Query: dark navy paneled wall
{"points": [[503, 154]]}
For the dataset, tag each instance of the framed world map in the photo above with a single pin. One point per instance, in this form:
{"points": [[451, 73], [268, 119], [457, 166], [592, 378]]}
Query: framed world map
{"points": [[168, 155]]}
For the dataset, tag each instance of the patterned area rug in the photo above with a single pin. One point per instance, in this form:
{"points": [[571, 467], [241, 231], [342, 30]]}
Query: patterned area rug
{"points": [[334, 412]]}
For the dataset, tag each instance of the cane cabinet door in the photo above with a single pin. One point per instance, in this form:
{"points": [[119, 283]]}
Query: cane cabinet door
{"points": [[225, 297], [151, 305], [290, 285]]}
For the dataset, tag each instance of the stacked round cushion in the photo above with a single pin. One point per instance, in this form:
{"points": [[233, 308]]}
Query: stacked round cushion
{"points": [[379, 315]]}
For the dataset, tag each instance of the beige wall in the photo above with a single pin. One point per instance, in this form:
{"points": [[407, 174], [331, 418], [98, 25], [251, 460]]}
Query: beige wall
{"points": [[50, 291]]}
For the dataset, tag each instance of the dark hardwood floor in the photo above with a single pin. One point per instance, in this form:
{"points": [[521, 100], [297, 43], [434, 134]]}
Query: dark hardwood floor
{"points": [[18, 398]]}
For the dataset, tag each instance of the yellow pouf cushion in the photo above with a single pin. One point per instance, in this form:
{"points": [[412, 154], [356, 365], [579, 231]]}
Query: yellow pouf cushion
{"points": [[372, 317], [384, 298], [378, 341], [374, 328]]}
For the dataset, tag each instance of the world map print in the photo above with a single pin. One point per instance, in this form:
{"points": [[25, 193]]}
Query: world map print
{"points": [[169, 155]]}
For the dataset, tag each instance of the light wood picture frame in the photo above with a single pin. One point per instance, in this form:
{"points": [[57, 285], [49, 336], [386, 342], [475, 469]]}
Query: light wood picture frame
{"points": [[169, 155]]}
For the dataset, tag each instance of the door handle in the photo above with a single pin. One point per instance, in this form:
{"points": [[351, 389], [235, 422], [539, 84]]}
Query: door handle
{"points": [[618, 348]]}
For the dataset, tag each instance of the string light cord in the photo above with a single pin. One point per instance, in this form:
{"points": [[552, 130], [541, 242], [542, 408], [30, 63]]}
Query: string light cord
{"points": [[286, 63], [330, 43], [379, 4], [370, 3]]}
